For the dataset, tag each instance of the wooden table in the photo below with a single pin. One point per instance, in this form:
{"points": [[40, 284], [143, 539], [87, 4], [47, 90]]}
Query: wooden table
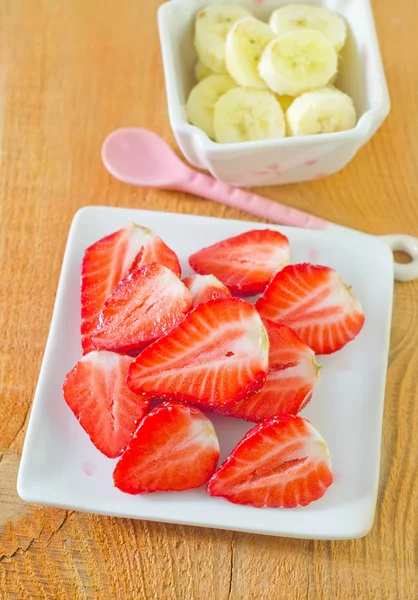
{"points": [[70, 73]]}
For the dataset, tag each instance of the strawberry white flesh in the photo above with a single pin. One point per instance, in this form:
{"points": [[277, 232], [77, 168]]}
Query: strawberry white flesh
{"points": [[282, 462], [96, 391], [205, 287], [217, 355], [315, 302]]}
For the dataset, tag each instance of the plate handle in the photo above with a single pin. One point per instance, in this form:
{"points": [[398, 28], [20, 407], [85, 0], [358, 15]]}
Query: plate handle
{"points": [[409, 245]]}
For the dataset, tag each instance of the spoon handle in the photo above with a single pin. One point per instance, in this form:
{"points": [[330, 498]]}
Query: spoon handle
{"points": [[208, 187]]}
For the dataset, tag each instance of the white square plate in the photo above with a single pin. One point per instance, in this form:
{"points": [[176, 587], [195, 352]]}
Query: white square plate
{"points": [[61, 467]]}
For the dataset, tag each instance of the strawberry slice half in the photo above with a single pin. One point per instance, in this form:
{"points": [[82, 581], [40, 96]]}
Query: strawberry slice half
{"points": [[96, 391], [244, 263], [174, 448], [315, 302], [205, 287], [291, 378], [143, 307], [282, 462], [108, 261], [217, 355]]}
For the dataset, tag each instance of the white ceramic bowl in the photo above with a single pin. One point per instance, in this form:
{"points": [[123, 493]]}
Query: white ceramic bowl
{"points": [[287, 160]]}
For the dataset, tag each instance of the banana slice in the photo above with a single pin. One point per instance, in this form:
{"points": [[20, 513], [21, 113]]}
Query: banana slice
{"points": [[212, 26], [244, 46], [321, 111], [201, 72], [245, 114], [203, 98], [305, 16], [297, 62]]}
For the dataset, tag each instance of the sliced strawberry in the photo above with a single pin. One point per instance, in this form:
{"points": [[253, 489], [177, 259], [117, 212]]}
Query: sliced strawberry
{"points": [[316, 303], [174, 448], [205, 287], [244, 263], [217, 355], [143, 307], [282, 462], [107, 410], [108, 261], [292, 376]]}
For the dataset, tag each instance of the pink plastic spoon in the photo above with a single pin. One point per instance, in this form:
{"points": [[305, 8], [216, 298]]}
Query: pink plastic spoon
{"points": [[140, 157]]}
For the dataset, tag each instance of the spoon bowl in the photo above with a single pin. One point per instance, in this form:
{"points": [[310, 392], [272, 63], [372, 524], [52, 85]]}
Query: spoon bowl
{"points": [[140, 157]]}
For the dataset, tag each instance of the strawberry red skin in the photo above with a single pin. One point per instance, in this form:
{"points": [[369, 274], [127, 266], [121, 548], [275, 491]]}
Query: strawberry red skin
{"points": [[315, 302], [144, 306], [177, 367], [292, 376], [109, 260], [244, 263], [96, 391], [175, 448], [280, 463]]}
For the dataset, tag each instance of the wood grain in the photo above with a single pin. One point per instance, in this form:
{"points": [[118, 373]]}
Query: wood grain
{"points": [[71, 72]]}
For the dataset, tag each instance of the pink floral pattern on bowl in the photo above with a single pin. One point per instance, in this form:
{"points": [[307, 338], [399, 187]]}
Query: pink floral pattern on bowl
{"points": [[273, 169]]}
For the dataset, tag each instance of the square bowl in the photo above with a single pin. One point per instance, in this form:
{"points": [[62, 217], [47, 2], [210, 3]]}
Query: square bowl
{"points": [[285, 160], [61, 467]]}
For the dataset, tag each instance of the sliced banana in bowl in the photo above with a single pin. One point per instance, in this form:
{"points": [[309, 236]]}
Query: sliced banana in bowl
{"points": [[211, 28], [201, 72], [325, 110], [259, 81], [287, 116], [247, 114], [305, 16], [297, 62], [244, 45], [202, 100]]}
